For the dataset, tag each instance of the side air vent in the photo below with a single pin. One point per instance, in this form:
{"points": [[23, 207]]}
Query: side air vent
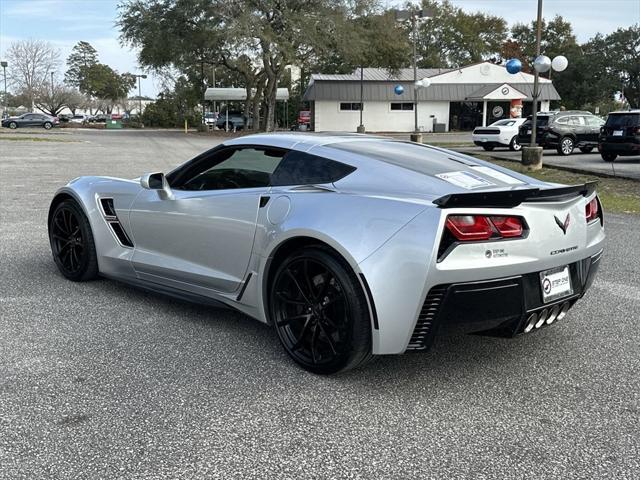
{"points": [[122, 236], [424, 331], [107, 207], [110, 216]]}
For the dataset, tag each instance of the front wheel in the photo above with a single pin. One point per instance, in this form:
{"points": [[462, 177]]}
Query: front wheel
{"points": [[514, 145], [319, 312], [13, 125], [565, 147], [72, 243], [609, 157], [47, 125]]}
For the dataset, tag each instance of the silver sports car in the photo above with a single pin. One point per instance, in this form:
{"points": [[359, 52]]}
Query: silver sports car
{"points": [[349, 245]]}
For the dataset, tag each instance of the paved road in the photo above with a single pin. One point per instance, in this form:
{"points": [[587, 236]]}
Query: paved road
{"points": [[101, 381], [627, 167]]}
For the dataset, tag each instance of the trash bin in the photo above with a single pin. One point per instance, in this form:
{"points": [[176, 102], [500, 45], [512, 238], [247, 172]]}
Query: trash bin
{"points": [[114, 123]]}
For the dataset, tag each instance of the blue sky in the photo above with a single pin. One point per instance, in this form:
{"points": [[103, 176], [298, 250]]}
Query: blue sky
{"points": [[65, 22]]}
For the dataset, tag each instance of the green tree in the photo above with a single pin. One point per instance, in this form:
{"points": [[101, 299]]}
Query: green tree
{"points": [[623, 56], [453, 37], [101, 81], [81, 58]]}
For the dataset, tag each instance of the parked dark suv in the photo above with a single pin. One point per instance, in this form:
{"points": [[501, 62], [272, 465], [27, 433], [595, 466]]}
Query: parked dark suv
{"points": [[564, 131], [620, 135]]}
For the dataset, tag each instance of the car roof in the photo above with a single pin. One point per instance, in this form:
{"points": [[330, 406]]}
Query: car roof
{"points": [[634, 111]]}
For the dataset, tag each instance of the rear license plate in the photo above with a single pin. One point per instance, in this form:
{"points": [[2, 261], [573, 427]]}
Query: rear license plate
{"points": [[555, 283], [617, 133], [528, 132], [483, 139]]}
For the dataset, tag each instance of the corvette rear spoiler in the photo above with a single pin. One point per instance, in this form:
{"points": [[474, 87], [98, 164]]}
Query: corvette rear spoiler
{"points": [[513, 198]]}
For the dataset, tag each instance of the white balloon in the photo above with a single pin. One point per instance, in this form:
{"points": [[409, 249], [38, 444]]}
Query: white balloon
{"points": [[418, 83], [560, 63], [426, 82], [542, 64]]}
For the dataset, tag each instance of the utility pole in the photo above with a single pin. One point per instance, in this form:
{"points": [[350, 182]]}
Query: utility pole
{"points": [[139, 96], [4, 72]]}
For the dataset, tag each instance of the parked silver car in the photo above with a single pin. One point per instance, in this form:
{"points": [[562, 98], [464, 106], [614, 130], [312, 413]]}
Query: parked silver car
{"points": [[349, 245]]}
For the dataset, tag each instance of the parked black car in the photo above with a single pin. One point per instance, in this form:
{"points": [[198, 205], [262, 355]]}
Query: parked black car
{"points": [[235, 121], [31, 120], [620, 135], [563, 131]]}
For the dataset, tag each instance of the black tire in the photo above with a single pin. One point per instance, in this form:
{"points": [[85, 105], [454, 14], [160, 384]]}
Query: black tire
{"points": [[514, 145], [13, 125], [72, 244], [565, 146], [586, 149], [319, 312], [609, 157], [488, 148], [47, 125]]}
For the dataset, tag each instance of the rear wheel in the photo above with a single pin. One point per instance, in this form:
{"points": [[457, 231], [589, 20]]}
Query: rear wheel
{"points": [[488, 148], [514, 145], [586, 149], [47, 125], [72, 243], [609, 157], [565, 147], [319, 312]]}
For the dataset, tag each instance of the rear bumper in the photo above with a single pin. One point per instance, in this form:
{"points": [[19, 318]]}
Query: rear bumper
{"points": [[499, 306], [620, 148]]}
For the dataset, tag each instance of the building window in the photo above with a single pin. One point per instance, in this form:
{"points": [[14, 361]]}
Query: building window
{"points": [[397, 106], [349, 106]]}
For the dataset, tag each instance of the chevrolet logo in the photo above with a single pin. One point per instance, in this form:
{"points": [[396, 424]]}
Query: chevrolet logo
{"points": [[563, 225]]}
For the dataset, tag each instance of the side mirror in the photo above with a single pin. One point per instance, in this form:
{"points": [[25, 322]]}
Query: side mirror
{"points": [[157, 181]]}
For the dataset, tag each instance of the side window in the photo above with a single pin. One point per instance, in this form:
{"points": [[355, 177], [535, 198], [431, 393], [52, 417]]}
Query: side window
{"points": [[234, 168], [563, 120], [300, 168], [349, 106], [574, 121], [594, 121]]}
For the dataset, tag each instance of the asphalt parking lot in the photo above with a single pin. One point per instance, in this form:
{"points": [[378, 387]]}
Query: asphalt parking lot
{"points": [[101, 381]]}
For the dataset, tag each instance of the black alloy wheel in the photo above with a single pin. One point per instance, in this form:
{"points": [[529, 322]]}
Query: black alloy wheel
{"points": [[72, 243], [320, 313], [609, 157], [514, 145], [13, 125]]}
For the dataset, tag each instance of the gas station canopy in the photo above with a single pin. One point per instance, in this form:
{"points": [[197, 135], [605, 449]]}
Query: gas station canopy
{"points": [[238, 94]]}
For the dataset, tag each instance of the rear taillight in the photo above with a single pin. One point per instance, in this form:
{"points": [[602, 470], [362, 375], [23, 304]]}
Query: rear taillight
{"points": [[591, 210], [474, 228]]}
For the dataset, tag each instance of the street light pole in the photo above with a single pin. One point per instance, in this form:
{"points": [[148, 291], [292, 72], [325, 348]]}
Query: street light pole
{"points": [[361, 126], [52, 94], [536, 78], [140, 94], [4, 72], [415, 74]]}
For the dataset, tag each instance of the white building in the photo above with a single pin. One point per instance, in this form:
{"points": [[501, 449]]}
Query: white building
{"points": [[457, 99]]}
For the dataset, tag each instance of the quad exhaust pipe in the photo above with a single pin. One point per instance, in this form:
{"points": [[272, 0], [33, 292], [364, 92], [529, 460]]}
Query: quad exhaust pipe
{"points": [[546, 316]]}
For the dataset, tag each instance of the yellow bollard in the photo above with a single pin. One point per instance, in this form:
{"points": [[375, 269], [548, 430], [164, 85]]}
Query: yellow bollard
{"points": [[186, 127]]}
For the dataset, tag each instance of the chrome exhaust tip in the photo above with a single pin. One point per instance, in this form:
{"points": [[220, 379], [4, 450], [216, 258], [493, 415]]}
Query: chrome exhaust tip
{"points": [[563, 311], [542, 317], [553, 314], [531, 322]]}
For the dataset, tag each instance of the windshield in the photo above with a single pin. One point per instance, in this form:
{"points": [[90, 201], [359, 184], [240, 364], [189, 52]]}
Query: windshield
{"points": [[506, 123], [624, 120]]}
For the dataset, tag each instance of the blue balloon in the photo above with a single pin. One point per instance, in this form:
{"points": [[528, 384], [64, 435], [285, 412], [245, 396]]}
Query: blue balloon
{"points": [[514, 66], [399, 89]]}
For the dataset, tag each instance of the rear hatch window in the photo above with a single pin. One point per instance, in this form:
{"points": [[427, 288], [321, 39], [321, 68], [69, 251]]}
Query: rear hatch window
{"points": [[623, 120]]}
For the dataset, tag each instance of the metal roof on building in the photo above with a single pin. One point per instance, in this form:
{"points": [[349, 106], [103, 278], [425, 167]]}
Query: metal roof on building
{"points": [[348, 89], [380, 75]]}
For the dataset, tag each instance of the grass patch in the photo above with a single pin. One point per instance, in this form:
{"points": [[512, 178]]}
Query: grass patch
{"points": [[617, 195], [35, 139]]}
